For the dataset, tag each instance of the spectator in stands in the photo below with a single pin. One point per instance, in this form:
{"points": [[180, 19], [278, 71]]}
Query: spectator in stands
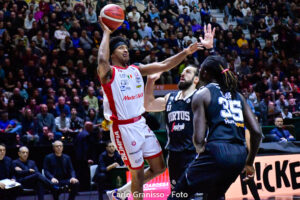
{"points": [[185, 16], [275, 86], [35, 109], [29, 132], [85, 145], [28, 174], [66, 43], [85, 41], [108, 160], [242, 41], [61, 33], [279, 133], [45, 119], [6, 173], [281, 103], [62, 106], [93, 101], [205, 14], [91, 16], [8, 129], [46, 137], [144, 30], [18, 99], [286, 86], [173, 10], [135, 42], [189, 37], [76, 123], [59, 170], [134, 13], [62, 124], [286, 114], [195, 14]]}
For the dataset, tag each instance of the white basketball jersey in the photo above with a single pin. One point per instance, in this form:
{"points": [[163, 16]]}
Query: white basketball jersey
{"points": [[124, 94]]}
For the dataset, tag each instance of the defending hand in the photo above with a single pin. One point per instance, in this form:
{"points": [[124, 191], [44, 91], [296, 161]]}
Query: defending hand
{"points": [[208, 41], [154, 77]]}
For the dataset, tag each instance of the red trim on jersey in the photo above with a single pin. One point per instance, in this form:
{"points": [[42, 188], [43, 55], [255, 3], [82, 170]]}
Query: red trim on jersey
{"points": [[118, 67], [135, 66], [127, 121], [136, 168], [108, 91], [122, 152], [111, 80], [154, 156]]}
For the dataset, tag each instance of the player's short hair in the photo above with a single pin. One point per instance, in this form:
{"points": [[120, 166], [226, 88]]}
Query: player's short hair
{"points": [[115, 42]]}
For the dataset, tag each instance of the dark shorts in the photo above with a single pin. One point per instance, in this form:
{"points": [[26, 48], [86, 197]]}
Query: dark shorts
{"points": [[212, 172], [178, 163]]}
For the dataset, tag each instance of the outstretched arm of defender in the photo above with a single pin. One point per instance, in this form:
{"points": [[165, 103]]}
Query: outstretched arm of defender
{"points": [[104, 70], [153, 104], [175, 60]]}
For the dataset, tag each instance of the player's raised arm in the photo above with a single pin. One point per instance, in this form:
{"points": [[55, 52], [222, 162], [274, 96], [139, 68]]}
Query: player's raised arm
{"points": [[104, 70], [175, 60], [201, 98], [151, 103]]}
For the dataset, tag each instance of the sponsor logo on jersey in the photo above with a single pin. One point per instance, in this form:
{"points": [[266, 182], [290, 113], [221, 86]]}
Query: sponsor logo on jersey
{"points": [[124, 82], [120, 146], [138, 86], [179, 115], [124, 86], [177, 127], [188, 100], [137, 77], [137, 96], [122, 75], [237, 124]]}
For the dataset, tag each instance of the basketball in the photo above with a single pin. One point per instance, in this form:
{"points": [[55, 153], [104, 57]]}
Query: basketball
{"points": [[112, 16]]}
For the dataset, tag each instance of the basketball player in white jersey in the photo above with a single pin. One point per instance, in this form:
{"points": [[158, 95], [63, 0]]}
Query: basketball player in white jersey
{"points": [[124, 104]]}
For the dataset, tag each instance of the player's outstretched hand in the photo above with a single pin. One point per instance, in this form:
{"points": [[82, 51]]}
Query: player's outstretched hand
{"points": [[250, 171], [103, 26], [154, 77], [208, 41], [194, 47]]}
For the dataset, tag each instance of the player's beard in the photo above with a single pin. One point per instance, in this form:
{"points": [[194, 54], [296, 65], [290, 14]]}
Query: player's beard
{"points": [[185, 85]]}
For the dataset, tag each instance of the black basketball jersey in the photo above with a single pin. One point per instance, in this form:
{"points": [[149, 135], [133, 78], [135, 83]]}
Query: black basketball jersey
{"points": [[179, 122], [225, 116]]}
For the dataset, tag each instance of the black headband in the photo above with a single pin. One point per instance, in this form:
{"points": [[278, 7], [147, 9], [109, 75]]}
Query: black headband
{"points": [[116, 46]]}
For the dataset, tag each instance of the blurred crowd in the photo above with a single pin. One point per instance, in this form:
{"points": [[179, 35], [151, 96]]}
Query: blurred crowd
{"points": [[48, 58]]}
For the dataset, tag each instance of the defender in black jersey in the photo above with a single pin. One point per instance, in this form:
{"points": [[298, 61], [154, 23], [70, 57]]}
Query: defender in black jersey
{"points": [[220, 114], [179, 119]]}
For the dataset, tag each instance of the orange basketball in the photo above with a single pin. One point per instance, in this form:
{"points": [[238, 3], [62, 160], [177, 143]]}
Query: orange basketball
{"points": [[112, 16]]}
